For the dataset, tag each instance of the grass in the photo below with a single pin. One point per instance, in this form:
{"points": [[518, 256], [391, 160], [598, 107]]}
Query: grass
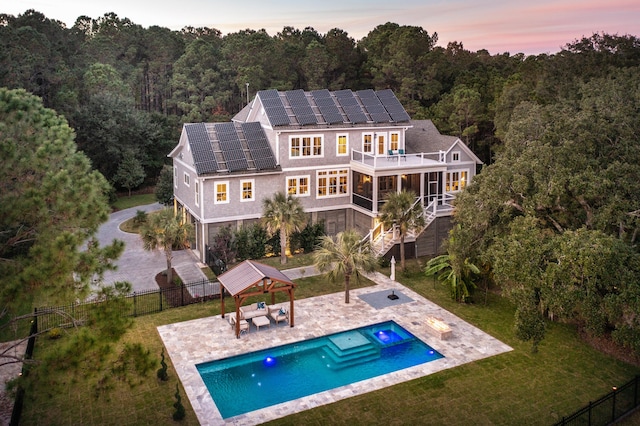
{"points": [[514, 388], [133, 201]]}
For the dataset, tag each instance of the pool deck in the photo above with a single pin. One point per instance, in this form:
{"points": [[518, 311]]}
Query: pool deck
{"points": [[193, 342]]}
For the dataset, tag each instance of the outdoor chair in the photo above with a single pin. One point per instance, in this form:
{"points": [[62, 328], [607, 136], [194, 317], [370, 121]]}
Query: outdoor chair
{"points": [[278, 314], [244, 325], [390, 154], [401, 154]]}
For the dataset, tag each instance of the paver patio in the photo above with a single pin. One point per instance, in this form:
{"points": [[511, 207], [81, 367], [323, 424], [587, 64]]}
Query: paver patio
{"points": [[193, 342]]}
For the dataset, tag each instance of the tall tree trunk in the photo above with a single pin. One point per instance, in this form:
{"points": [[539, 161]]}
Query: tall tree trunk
{"points": [[402, 251], [347, 278], [283, 247], [168, 255]]}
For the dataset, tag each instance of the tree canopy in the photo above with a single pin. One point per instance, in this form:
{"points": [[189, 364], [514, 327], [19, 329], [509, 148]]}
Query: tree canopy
{"points": [[556, 215], [51, 204]]}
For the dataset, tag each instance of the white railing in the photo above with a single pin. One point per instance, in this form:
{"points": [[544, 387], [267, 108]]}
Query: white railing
{"points": [[396, 159], [382, 240]]}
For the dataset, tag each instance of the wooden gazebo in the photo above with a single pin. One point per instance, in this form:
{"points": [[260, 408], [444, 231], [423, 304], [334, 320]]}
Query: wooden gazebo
{"points": [[252, 278]]}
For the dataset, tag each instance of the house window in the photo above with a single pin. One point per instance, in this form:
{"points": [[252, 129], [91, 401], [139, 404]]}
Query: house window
{"points": [[342, 147], [187, 179], [381, 144], [332, 183], [197, 193], [246, 190], [175, 176], [307, 146], [456, 181], [298, 185], [455, 156], [367, 143], [394, 141], [221, 193]]}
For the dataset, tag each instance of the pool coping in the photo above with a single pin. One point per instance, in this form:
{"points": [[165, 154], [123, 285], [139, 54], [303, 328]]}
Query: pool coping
{"points": [[206, 339]]}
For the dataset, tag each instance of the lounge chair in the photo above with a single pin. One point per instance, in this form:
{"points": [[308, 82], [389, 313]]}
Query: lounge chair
{"points": [[401, 154], [244, 325], [278, 314], [390, 154]]}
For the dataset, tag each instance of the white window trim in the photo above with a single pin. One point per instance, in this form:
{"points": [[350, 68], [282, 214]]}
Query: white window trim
{"points": [[311, 137], [253, 190], [447, 178], [337, 175], [373, 143], [186, 179], [346, 153], [175, 176], [391, 138], [297, 178], [197, 193], [215, 191], [455, 154]]}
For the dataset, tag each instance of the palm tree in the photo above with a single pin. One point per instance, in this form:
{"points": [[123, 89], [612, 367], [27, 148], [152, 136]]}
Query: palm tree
{"points": [[345, 256], [402, 211], [458, 277], [283, 214], [164, 231]]}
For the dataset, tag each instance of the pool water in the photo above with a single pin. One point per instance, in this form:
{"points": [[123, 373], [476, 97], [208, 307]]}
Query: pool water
{"points": [[271, 376]]}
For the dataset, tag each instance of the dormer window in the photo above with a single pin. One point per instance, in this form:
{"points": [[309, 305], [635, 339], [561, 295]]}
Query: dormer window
{"points": [[455, 156]]}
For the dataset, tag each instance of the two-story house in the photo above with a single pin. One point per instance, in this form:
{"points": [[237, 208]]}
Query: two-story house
{"points": [[339, 152]]}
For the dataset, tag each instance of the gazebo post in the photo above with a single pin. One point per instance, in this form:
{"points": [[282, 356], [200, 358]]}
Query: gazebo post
{"points": [[237, 317], [291, 313], [222, 300]]}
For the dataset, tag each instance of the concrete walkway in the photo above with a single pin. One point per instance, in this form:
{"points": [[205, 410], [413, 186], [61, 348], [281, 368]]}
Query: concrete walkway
{"points": [[137, 265]]}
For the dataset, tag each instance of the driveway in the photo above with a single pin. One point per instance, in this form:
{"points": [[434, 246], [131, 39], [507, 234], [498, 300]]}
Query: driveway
{"points": [[136, 265]]}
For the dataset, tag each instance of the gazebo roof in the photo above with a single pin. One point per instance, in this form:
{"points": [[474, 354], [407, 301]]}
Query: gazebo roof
{"points": [[249, 273]]}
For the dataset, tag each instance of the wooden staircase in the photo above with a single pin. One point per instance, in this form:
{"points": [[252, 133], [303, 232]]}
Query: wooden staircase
{"points": [[382, 240]]}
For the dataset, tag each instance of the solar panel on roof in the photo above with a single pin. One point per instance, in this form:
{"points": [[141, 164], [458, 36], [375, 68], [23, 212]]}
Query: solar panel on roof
{"points": [[233, 145], [331, 115], [259, 146], [319, 94], [272, 103], [235, 165], [373, 106], [393, 105], [203, 155], [300, 106], [265, 163], [278, 116], [224, 128], [306, 119], [351, 106], [326, 102], [267, 94], [367, 93]]}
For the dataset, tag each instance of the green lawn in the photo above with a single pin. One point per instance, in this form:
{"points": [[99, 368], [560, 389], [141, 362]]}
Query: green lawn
{"points": [[127, 202], [514, 388]]}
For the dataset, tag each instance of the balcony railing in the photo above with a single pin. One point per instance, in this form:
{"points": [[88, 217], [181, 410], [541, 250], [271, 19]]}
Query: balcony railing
{"points": [[397, 160]]}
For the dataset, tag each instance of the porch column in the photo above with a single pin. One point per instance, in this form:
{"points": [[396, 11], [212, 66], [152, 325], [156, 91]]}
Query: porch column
{"points": [[423, 176], [374, 207]]}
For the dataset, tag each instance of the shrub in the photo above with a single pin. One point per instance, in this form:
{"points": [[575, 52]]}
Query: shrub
{"points": [[140, 217], [179, 414], [162, 371]]}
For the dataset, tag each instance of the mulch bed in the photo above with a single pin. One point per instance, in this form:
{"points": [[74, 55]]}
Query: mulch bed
{"points": [[172, 295]]}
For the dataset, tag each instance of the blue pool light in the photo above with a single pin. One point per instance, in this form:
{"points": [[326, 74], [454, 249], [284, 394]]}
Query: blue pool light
{"points": [[269, 361], [431, 352]]}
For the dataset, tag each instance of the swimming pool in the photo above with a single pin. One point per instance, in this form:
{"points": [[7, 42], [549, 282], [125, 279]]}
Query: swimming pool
{"points": [[256, 380]]}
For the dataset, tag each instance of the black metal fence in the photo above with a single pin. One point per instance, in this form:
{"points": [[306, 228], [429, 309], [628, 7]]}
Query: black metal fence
{"points": [[16, 413], [606, 410], [140, 303]]}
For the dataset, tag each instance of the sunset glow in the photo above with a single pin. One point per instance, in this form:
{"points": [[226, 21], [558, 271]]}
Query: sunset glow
{"points": [[499, 26]]}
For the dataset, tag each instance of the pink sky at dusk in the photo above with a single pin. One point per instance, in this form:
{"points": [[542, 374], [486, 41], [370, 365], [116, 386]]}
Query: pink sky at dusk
{"points": [[499, 26]]}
